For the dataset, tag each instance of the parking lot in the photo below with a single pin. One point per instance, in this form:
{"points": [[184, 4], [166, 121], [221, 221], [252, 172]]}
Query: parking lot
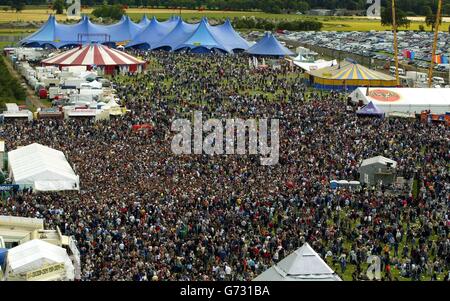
{"points": [[378, 45]]}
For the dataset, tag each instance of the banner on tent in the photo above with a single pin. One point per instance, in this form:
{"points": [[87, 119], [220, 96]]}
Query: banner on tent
{"points": [[9, 187]]}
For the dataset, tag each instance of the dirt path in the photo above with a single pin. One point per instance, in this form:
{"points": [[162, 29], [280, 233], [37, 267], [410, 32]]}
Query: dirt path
{"points": [[31, 96]]}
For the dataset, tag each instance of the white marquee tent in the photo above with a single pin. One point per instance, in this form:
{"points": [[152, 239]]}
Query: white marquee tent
{"points": [[302, 265], [316, 65], [405, 100], [36, 254], [43, 168]]}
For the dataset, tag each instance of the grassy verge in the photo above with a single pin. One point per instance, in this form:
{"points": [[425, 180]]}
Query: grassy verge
{"points": [[4, 44], [10, 88]]}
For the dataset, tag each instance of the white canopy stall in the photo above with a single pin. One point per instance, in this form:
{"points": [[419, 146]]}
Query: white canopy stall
{"points": [[405, 100], [302, 265], [39, 260], [43, 168], [316, 65]]}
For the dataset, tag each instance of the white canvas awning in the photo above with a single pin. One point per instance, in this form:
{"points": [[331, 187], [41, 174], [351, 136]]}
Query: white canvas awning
{"points": [[310, 66], [405, 100], [302, 265], [379, 160], [36, 254], [43, 168]]}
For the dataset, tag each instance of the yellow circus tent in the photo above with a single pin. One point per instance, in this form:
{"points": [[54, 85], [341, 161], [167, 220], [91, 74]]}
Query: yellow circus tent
{"points": [[349, 75]]}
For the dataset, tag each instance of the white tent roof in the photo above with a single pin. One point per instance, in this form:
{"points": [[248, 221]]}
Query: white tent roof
{"points": [[113, 104], [94, 84], [379, 160], [319, 64], [45, 168], [302, 265], [36, 253], [406, 100]]}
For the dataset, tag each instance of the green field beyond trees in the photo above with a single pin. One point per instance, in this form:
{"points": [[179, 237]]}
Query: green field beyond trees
{"points": [[410, 7]]}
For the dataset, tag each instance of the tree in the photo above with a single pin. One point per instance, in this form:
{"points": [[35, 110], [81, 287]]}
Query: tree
{"points": [[18, 5], [58, 6], [400, 16], [430, 18], [446, 9], [114, 12], [352, 5], [303, 7]]}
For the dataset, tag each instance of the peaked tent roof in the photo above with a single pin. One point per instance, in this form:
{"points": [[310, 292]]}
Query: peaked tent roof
{"points": [[302, 265], [45, 33], [316, 65], [72, 34], [93, 54], [85, 31], [153, 33], [230, 37], [371, 110], [36, 253], [124, 30], [144, 21], [204, 37], [269, 46], [55, 34], [379, 160], [45, 168], [178, 35], [351, 71]]}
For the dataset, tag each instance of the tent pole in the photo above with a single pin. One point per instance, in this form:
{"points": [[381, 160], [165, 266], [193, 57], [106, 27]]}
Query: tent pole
{"points": [[436, 35], [394, 27]]}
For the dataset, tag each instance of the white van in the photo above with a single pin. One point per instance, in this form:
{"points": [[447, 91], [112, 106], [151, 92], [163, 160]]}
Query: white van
{"points": [[438, 80], [400, 71]]}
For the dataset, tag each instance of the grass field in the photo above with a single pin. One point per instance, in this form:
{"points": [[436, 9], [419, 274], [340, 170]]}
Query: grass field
{"points": [[4, 44], [330, 23]]}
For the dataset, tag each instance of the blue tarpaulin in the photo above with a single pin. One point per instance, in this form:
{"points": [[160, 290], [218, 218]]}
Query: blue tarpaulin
{"points": [[3, 254]]}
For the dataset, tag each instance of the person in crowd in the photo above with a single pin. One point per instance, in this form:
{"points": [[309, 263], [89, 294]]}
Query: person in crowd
{"points": [[146, 214]]}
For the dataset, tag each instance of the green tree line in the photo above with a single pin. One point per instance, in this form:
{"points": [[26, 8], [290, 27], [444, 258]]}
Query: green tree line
{"points": [[408, 7]]}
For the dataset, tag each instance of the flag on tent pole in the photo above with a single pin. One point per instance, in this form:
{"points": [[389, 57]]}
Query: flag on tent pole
{"points": [[408, 54], [444, 59], [437, 59], [255, 62], [405, 53]]}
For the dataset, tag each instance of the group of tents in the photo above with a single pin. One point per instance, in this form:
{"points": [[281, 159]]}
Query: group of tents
{"points": [[173, 34]]}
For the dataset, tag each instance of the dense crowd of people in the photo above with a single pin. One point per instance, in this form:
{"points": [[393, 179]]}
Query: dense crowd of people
{"points": [[144, 213]]}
